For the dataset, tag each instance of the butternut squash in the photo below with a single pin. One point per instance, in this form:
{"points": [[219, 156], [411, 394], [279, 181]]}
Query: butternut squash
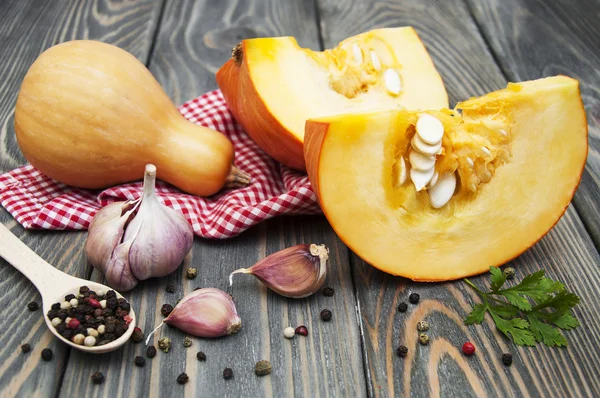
{"points": [[90, 115]]}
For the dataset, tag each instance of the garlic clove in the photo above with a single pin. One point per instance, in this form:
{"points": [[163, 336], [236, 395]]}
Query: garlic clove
{"points": [[294, 272], [118, 270], [164, 238], [106, 232], [207, 312]]}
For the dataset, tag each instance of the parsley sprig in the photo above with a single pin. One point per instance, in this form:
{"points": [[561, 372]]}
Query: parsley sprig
{"points": [[531, 312]]}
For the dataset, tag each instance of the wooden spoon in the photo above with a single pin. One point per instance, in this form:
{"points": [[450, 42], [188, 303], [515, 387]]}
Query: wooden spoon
{"points": [[54, 285]]}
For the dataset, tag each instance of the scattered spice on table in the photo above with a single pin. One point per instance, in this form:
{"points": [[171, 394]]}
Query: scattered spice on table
{"points": [[187, 342], [166, 309], [139, 361], [468, 348], [422, 326], [97, 378], [25, 348], [289, 332], [302, 330], [89, 318], [191, 273], [402, 351], [47, 354], [509, 272], [170, 288], [137, 335], [151, 351], [164, 343], [183, 378], [507, 359], [33, 306], [201, 356], [326, 315], [262, 367], [402, 307], [328, 292], [423, 339], [227, 373], [414, 298]]}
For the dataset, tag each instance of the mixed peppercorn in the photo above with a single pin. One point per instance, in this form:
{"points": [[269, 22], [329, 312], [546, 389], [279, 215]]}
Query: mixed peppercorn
{"points": [[90, 318]]}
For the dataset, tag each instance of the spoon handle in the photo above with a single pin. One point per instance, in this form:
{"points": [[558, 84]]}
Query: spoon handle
{"points": [[44, 276]]}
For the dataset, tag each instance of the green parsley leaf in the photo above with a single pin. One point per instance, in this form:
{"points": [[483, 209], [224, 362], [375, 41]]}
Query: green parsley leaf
{"points": [[535, 310], [497, 279], [476, 315]]}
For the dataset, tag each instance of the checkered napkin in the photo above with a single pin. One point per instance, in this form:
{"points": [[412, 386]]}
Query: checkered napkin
{"points": [[37, 201]]}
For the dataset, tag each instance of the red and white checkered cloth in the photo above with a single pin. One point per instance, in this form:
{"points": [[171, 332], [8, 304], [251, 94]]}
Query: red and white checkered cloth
{"points": [[37, 201]]}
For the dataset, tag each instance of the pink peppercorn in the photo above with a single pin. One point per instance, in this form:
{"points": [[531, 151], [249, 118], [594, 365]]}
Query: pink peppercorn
{"points": [[127, 318], [95, 303], [73, 323], [468, 349]]}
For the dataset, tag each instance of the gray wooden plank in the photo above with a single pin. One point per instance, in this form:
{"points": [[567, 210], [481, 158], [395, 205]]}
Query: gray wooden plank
{"points": [[195, 39], [26, 29], [537, 38], [566, 253]]}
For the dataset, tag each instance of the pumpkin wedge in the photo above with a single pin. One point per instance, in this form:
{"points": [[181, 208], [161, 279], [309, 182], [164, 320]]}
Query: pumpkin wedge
{"points": [[272, 85], [507, 167]]}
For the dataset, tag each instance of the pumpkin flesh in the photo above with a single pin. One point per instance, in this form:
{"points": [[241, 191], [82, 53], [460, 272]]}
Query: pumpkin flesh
{"points": [[538, 159], [274, 85]]}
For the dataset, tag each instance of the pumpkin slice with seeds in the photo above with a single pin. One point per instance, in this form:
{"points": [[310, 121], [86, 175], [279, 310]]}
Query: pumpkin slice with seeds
{"points": [[272, 85], [507, 167]]}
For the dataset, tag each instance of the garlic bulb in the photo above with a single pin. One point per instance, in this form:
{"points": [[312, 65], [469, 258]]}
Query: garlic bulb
{"points": [[207, 312], [295, 272], [138, 239]]}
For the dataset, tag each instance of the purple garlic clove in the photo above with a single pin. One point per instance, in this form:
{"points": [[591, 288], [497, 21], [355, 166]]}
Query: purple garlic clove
{"points": [[206, 312], [295, 272]]}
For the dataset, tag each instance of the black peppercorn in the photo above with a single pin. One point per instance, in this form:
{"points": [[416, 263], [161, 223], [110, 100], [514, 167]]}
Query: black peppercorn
{"points": [[62, 314], [227, 373], [67, 334], [166, 309], [182, 378], [55, 307], [402, 307], [137, 335], [328, 292], [170, 288], [47, 354], [139, 361], [507, 359], [509, 272], [84, 289], [402, 351], [151, 351], [125, 307], [326, 315], [201, 356], [69, 297], [25, 348], [97, 378], [111, 303], [414, 298], [110, 294]]}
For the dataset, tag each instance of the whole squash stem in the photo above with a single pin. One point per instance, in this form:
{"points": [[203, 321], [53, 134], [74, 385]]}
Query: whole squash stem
{"points": [[237, 178]]}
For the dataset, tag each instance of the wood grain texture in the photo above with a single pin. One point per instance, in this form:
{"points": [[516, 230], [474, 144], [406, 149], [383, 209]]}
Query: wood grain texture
{"points": [[195, 38], [566, 253], [26, 29], [537, 38]]}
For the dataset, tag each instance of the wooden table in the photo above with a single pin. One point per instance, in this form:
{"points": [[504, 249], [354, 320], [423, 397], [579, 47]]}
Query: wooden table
{"points": [[477, 46]]}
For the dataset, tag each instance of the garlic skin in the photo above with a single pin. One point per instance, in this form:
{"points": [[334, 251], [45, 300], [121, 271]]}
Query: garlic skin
{"points": [[207, 312], [138, 239], [295, 272]]}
